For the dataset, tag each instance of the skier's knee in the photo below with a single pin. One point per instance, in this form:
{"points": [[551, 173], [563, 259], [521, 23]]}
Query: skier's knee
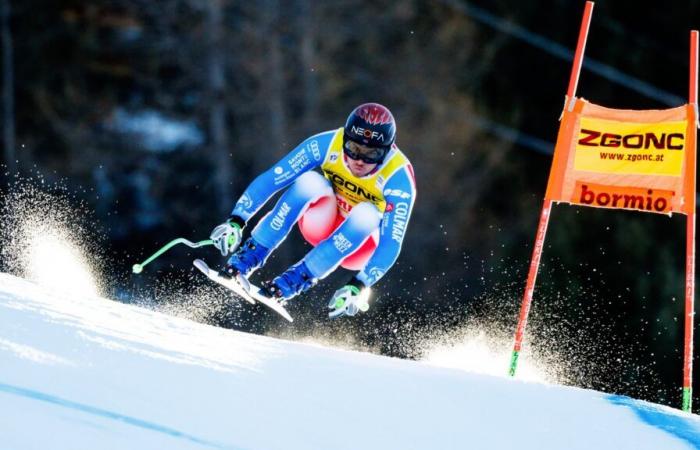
{"points": [[365, 216], [312, 185]]}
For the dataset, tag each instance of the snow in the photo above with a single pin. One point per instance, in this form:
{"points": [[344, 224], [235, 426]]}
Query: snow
{"points": [[84, 372], [156, 132]]}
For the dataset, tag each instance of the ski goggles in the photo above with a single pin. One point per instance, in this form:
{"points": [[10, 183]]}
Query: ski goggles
{"points": [[369, 155]]}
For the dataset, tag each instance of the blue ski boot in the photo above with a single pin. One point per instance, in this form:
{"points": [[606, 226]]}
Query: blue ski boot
{"points": [[249, 257], [291, 283]]}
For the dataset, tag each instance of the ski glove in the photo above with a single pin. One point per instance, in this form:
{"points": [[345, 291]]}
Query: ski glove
{"points": [[348, 300], [227, 237]]}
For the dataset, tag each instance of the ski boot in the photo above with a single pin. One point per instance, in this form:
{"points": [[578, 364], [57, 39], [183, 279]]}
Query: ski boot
{"points": [[291, 283], [249, 257]]}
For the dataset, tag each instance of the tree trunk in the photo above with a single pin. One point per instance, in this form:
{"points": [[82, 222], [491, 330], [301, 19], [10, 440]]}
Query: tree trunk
{"points": [[8, 100], [275, 86], [220, 148], [308, 67]]}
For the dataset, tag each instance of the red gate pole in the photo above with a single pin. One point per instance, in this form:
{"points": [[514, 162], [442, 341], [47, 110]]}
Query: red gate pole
{"points": [[547, 206], [690, 238]]}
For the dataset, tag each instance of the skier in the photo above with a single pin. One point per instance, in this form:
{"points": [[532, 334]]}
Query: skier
{"points": [[355, 213]]}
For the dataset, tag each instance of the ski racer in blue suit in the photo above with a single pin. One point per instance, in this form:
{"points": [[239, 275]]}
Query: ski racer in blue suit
{"points": [[350, 190]]}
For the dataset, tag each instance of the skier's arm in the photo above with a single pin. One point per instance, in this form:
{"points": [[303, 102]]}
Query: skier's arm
{"points": [[307, 155], [400, 195]]}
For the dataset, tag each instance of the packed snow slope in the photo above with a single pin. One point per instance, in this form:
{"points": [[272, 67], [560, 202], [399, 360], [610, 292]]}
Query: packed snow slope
{"points": [[82, 372]]}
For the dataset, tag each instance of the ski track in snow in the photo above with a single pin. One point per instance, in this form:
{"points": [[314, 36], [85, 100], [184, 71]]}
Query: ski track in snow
{"points": [[86, 372]]}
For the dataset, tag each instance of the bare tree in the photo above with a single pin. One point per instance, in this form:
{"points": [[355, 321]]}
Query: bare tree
{"points": [[8, 107]]}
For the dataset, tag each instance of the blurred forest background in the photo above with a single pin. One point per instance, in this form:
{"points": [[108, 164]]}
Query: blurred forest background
{"points": [[161, 112]]}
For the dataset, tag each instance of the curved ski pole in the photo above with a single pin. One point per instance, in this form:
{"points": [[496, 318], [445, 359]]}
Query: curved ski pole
{"points": [[137, 268]]}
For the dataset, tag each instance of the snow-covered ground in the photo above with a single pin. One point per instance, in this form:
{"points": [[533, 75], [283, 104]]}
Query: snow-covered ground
{"points": [[83, 372]]}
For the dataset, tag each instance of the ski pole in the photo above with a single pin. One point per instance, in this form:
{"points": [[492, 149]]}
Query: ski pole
{"points": [[137, 268]]}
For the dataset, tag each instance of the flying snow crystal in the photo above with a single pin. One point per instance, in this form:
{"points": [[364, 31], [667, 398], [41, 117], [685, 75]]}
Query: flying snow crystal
{"points": [[44, 240], [54, 262], [479, 351]]}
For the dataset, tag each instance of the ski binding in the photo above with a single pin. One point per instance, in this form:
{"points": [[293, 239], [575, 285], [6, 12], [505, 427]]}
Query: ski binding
{"points": [[243, 288]]}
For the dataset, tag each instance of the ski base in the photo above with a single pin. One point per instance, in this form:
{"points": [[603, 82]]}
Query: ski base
{"points": [[251, 294]]}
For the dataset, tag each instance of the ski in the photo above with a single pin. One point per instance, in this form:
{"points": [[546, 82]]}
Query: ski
{"points": [[249, 293]]}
